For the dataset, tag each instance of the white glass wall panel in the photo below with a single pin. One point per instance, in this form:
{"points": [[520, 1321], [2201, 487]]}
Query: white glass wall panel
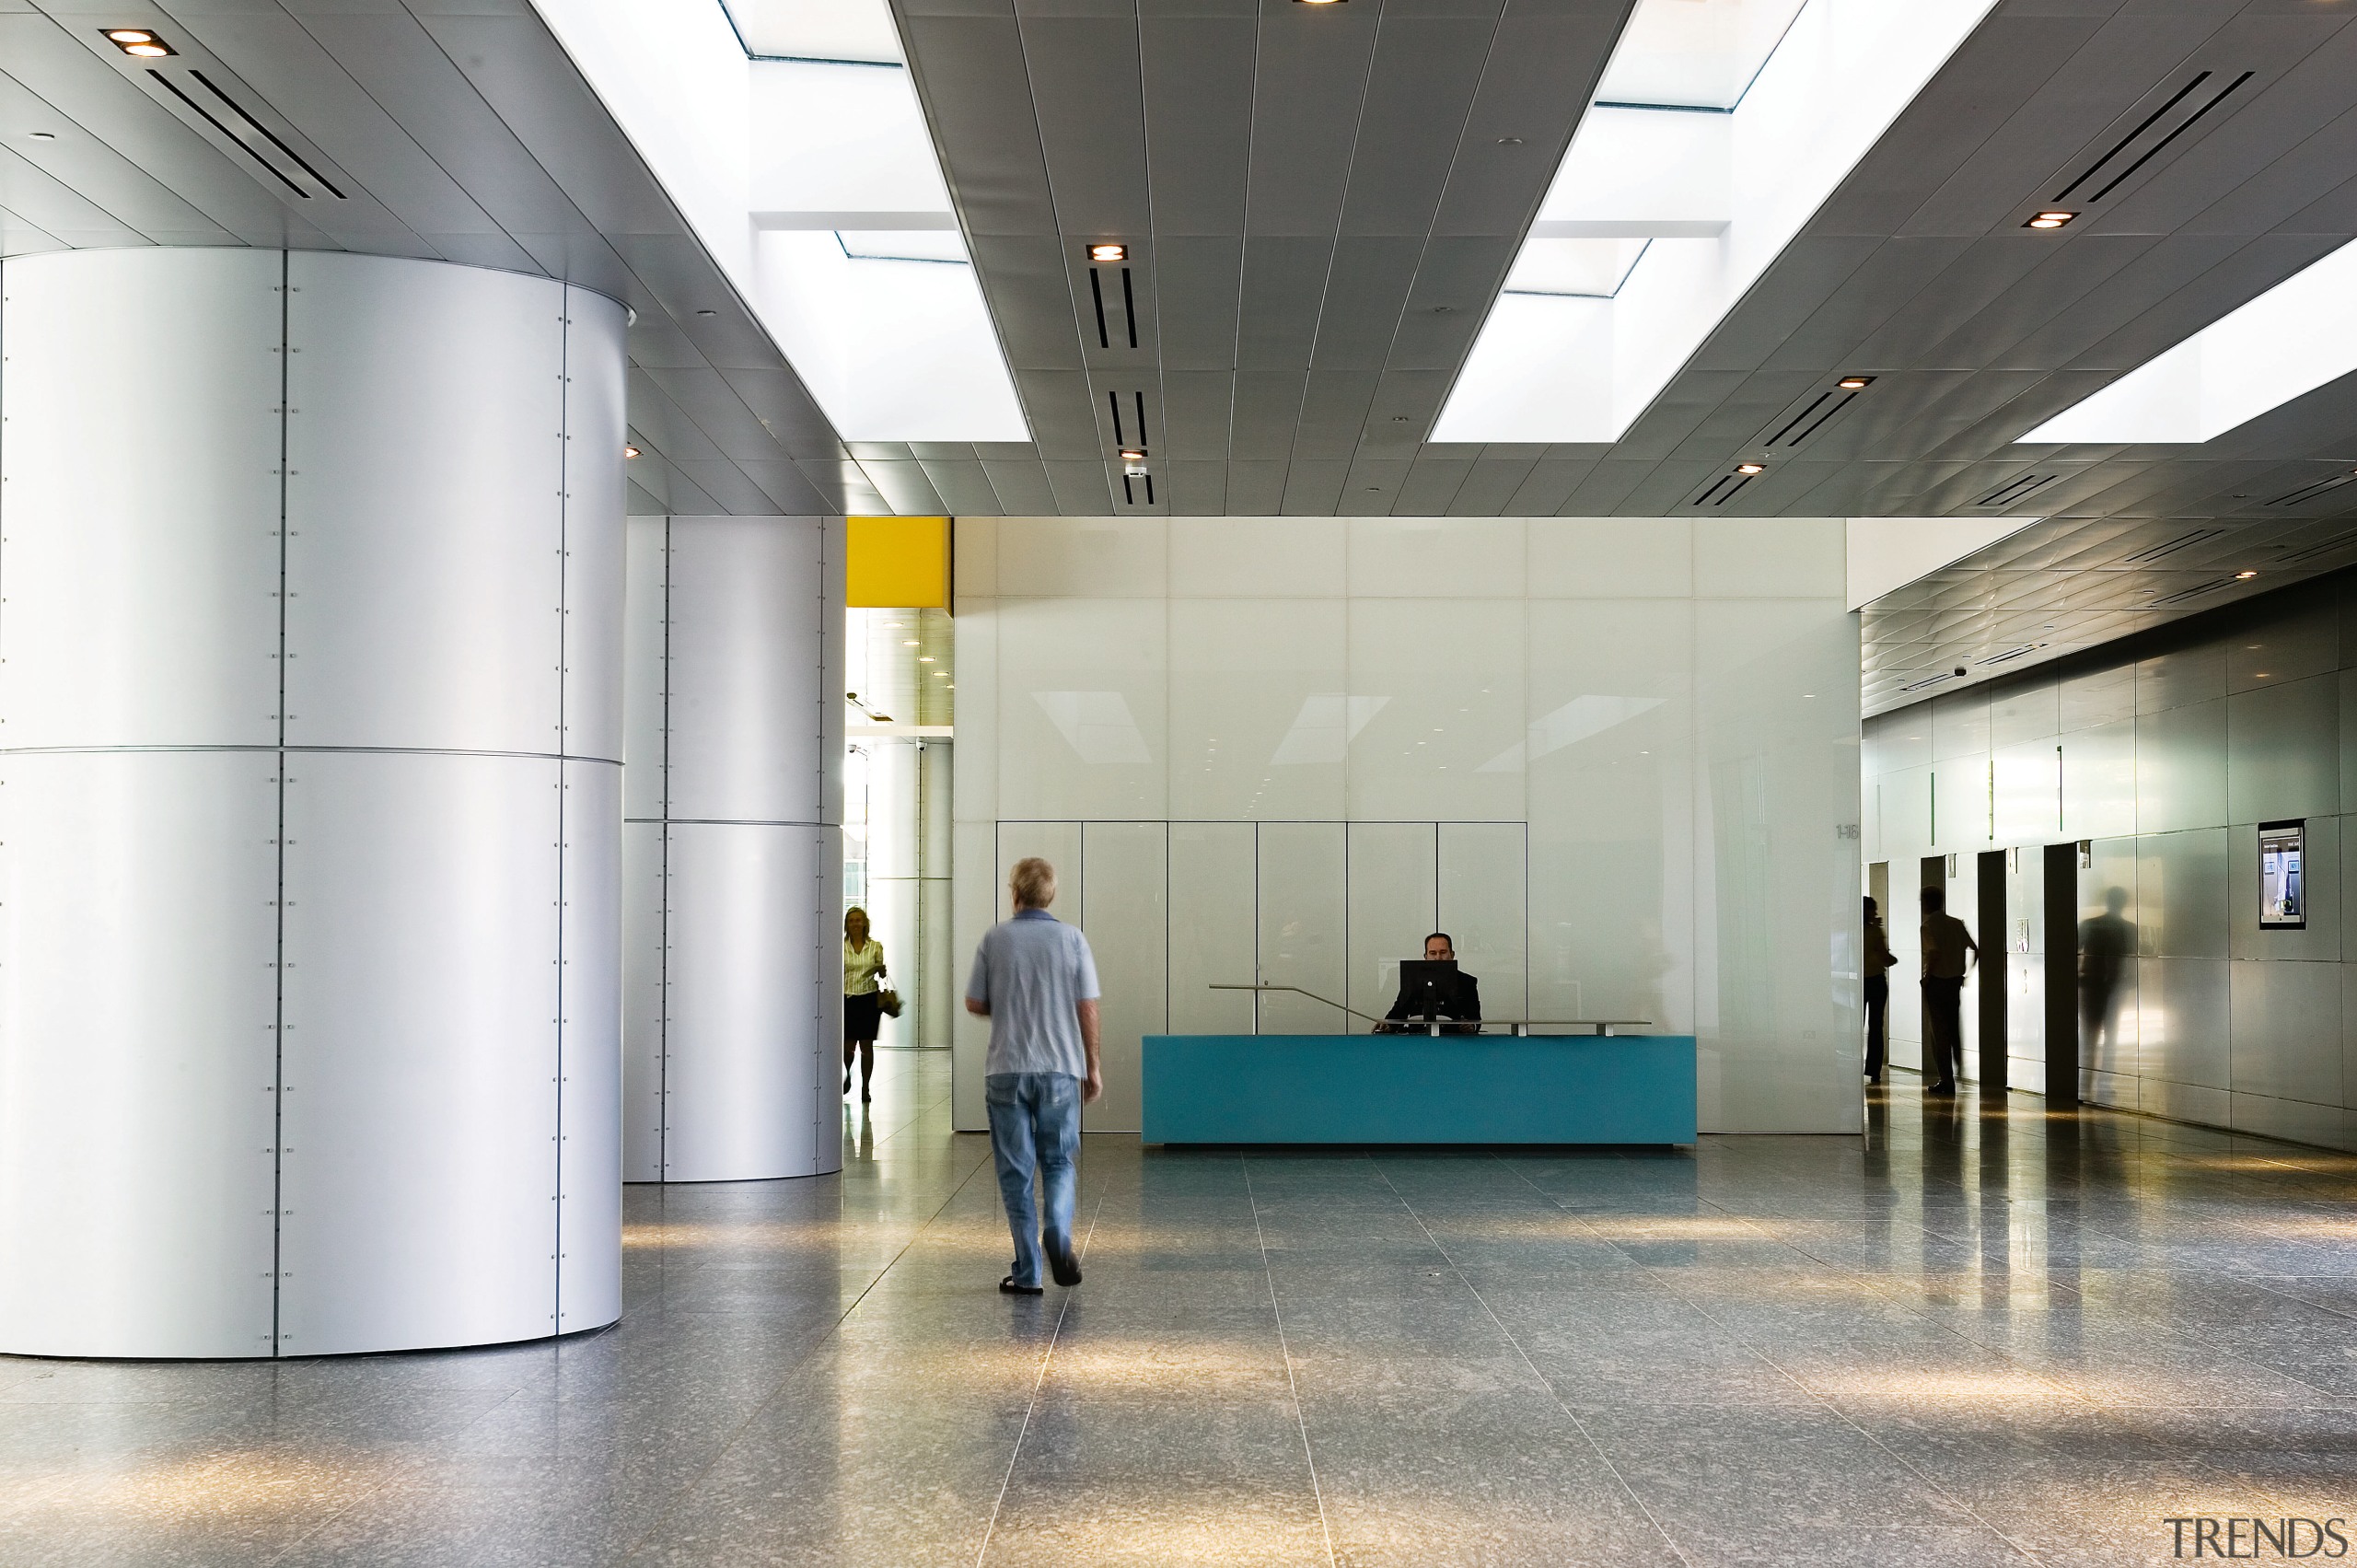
{"points": [[1612, 560], [1084, 689], [1123, 909], [1961, 803], [2027, 710], [1960, 725], [1447, 740], [1394, 882], [2091, 699], [421, 1060], [142, 595], [1483, 907], [138, 914], [1213, 892], [1303, 902], [426, 601], [1437, 558], [2284, 751], [748, 1095], [1259, 693]]}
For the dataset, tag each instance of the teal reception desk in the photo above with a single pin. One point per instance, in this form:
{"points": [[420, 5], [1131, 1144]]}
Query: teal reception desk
{"points": [[1419, 1088]]}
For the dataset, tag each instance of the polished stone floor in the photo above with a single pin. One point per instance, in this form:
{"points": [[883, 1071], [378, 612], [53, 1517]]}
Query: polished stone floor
{"points": [[1980, 1335]]}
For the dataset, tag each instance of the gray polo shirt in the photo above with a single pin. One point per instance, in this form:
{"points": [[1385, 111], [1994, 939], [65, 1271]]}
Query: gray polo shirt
{"points": [[1032, 972]]}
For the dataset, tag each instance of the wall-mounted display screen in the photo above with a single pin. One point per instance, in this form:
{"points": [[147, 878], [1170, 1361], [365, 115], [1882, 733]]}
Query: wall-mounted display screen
{"points": [[2282, 890]]}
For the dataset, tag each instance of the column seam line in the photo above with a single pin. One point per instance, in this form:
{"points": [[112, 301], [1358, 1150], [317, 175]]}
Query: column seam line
{"points": [[564, 787], [278, 933]]}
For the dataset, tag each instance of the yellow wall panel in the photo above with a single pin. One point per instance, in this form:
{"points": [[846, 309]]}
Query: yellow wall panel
{"points": [[897, 564]]}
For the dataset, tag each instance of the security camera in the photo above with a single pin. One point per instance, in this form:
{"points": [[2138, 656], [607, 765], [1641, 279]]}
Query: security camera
{"points": [[1959, 669]]}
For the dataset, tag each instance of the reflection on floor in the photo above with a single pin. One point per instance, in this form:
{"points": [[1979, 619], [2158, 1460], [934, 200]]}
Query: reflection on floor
{"points": [[1978, 1336]]}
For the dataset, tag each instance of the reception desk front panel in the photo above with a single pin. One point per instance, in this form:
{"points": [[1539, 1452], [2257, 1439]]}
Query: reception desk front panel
{"points": [[1419, 1089]]}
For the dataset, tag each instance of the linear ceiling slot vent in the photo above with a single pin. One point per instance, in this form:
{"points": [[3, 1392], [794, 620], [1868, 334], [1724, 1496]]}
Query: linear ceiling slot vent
{"points": [[2212, 586], [2170, 547], [1129, 490], [2310, 491], [1929, 681], [1123, 436], [2322, 547], [1721, 491], [2186, 107], [2013, 490], [2010, 654], [1811, 417], [244, 131], [1129, 306]]}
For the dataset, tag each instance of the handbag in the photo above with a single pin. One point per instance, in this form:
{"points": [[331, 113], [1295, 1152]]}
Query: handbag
{"points": [[887, 1002]]}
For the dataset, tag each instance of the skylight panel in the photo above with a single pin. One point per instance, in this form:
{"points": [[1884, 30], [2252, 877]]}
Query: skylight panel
{"points": [[815, 186], [1578, 268], [1717, 195], [1694, 54], [858, 30], [2283, 345]]}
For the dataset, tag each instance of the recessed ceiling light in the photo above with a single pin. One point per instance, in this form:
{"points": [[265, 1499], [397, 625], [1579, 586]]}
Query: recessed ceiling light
{"points": [[909, 644], [1852, 383], [42, 136], [2049, 219], [1133, 454], [1509, 141], [2245, 577], [138, 40], [707, 312], [630, 451], [1318, 2], [1109, 253], [1751, 468]]}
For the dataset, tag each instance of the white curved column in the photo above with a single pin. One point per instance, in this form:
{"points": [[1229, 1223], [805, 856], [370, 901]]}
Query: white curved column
{"points": [[734, 849], [309, 804]]}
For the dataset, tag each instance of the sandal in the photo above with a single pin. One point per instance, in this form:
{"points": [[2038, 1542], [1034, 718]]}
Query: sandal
{"points": [[1008, 1287]]}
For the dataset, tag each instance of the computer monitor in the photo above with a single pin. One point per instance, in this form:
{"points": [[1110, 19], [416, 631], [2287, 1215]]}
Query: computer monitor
{"points": [[1428, 985]]}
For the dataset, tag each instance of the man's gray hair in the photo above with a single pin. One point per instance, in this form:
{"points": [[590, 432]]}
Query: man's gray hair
{"points": [[1033, 882]]}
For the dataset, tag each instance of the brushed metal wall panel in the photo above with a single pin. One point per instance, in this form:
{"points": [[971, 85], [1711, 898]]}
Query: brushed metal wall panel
{"points": [[751, 695], [137, 1053], [424, 598], [746, 1058], [419, 1156], [589, 1191], [642, 928], [596, 362], [142, 606]]}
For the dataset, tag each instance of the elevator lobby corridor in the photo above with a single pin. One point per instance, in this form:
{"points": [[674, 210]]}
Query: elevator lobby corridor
{"points": [[1973, 1338]]}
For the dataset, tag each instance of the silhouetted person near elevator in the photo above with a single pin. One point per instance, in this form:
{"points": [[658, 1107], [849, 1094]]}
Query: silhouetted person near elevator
{"points": [[1948, 951], [1877, 967], [2106, 944]]}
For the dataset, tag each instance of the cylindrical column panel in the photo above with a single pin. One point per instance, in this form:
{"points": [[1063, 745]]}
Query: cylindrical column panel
{"points": [[934, 976], [734, 832], [893, 872], [309, 804]]}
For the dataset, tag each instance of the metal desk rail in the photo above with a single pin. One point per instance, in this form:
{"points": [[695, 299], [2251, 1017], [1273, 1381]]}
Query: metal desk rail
{"points": [[1520, 1026]]}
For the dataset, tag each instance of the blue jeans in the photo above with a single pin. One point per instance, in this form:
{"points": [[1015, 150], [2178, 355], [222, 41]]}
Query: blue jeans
{"points": [[1035, 1124]]}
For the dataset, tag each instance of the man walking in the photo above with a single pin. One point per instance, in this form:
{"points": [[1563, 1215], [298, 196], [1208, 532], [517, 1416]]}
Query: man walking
{"points": [[1945, 945], [1036, 981]]}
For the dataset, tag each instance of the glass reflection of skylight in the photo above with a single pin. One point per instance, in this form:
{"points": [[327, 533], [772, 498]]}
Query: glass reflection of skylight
{"points": [[902, 245], [815, 29], [1583, 268], [1694, 54]]}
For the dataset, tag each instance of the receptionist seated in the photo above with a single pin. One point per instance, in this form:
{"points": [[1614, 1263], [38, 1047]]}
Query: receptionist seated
{"points": [[1436, 989]]}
